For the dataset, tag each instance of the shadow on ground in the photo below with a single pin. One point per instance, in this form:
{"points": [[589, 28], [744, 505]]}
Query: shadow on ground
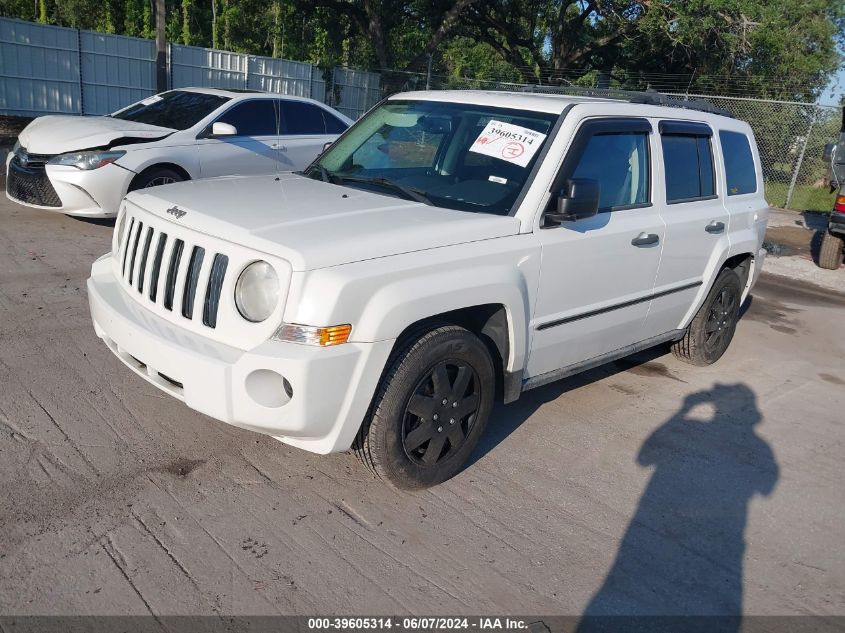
{"points": [[94, 221], [682, 554]]}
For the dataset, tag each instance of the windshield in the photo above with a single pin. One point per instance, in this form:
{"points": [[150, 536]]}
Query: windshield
{"points": [[177, 109], [453, 155]]}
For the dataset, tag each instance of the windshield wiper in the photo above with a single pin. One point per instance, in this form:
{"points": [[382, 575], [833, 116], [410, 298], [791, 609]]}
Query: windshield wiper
{"points": [[325, 174], [408, 192]]}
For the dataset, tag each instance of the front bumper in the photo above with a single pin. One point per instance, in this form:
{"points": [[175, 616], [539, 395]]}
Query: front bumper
{"points": [[836, 223], [330, 388], [94, 193]]}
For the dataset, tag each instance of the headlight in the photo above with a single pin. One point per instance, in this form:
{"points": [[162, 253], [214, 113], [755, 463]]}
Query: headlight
{"points": [[257, 291], [86, 160]]}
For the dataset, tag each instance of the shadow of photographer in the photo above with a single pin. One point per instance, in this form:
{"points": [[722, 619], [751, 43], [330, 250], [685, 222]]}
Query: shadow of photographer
{"points": [[682, 553]]}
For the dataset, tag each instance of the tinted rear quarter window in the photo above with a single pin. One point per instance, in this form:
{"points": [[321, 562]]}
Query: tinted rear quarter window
{"points": [[333, 124], [688, 166], [252, 118], [739, 163], [302, 119]]}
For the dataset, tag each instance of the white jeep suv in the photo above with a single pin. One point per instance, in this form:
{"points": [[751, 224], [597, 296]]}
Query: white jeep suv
{"points": [[450, 249]]}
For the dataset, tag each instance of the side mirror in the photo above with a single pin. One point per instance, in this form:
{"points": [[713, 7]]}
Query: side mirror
{"points": [[828, 151], [218, 128], [578, 200]]}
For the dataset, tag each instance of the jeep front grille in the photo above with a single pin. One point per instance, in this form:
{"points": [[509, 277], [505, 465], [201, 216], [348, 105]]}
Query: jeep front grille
{"points": [[165, 271]]}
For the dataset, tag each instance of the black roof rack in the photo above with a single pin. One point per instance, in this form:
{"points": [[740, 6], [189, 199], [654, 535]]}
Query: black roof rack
{"points": [[647, 97]]}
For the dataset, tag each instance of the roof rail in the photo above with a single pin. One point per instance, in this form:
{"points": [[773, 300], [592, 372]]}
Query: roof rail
{"points": [[648, 97]]}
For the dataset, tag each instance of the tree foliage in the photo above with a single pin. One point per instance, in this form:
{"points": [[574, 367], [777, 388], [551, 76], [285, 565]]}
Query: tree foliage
{"points": [[784, 49]]}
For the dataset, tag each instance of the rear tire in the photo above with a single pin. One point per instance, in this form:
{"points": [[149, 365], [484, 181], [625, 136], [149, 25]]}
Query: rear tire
{"points": [[830, 253], [155, 177], [430, 410], [712, 328]]}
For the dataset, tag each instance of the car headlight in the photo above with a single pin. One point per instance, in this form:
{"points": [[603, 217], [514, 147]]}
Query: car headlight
{"points": [[257, 291], [86, 160]]}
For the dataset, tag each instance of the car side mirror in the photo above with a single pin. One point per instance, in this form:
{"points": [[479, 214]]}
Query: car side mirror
{"points": [[828, 151], [578, 200], [218, 128]]}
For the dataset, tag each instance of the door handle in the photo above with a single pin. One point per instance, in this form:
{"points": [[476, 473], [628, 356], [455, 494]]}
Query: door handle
{"points": [[715, 227], [645, 239]]}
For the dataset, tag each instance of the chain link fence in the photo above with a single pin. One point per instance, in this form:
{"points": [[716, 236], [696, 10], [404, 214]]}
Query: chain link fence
{"points": [[790, 135]]}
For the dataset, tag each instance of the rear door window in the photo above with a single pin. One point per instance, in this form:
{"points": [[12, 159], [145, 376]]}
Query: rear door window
{"points": [[333, 124], [253, 118], [302, 119], [688, 165], [739, 163]]}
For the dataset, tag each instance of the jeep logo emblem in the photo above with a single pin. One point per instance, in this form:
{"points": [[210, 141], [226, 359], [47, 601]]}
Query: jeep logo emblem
{"points": [[177, 212]]}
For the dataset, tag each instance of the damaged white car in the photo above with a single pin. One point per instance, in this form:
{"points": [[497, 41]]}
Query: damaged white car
{"points": [[84, 166]]}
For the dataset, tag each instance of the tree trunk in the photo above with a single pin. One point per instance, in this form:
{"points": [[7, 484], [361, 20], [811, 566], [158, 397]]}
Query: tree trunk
{"points": [[42, 11], [213, 23], [376, 33], [186, 22], [450, 20], [227, 27], [277, 20]]}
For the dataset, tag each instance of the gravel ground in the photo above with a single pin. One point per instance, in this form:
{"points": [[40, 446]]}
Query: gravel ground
{"points": [[646, 486]]}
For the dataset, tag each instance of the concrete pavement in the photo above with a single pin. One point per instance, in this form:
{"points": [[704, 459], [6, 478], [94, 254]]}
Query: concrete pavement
{"points": [[646, 485]]}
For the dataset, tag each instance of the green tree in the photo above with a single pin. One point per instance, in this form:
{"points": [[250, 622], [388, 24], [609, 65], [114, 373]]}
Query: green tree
{"points": [[784, 49]]}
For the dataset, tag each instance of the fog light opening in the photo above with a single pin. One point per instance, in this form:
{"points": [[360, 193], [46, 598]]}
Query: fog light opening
{"points": [[268, 388]]}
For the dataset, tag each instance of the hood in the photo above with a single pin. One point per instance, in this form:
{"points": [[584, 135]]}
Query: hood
{"points": [[315, 224], [57, 134]]}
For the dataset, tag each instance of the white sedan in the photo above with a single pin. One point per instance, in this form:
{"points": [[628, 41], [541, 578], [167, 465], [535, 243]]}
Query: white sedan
{"points": [[83, 166]]}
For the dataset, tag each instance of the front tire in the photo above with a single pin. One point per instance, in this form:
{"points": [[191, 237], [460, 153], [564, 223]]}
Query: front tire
{"points": [[830, 253], [430, 410], [155, 177], [713, 327]]}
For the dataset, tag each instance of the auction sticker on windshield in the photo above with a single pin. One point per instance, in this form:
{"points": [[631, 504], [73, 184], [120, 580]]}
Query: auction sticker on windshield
{"points": [[511, 143]]}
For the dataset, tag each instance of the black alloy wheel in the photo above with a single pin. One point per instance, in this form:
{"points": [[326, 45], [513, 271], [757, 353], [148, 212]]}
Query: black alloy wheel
{"points": [[440, 413], [719, 321]]}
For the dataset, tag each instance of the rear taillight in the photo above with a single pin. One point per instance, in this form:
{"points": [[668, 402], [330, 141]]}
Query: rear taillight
{"points": [[839, 205]]}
